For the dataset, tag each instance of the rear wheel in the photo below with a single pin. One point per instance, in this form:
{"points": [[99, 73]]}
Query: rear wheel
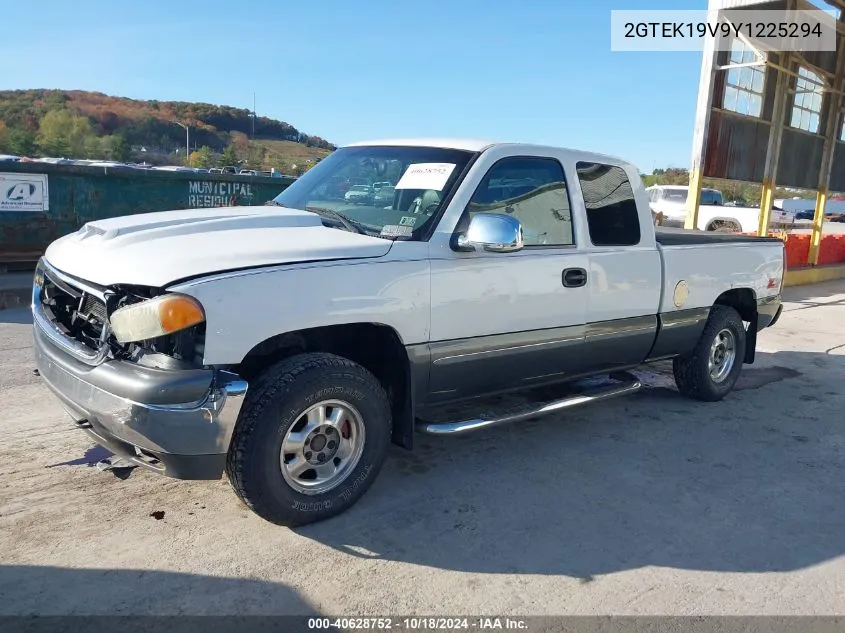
{"points": [[711, 370], [722, 226], [311, 439]]}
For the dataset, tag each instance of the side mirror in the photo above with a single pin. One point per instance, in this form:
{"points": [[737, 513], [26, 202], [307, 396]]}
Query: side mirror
{"points": [[493, 232]]}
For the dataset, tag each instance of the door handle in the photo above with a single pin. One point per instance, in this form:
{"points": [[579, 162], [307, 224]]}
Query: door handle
{"points": [[574, 277]]}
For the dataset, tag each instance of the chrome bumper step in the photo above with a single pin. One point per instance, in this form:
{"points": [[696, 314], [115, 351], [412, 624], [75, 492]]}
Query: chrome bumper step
{"points": [[624, 384]]}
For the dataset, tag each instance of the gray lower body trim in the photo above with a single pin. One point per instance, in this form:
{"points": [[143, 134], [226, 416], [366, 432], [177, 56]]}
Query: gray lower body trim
{"points": [[610, 345], [678, 332], [419, 359], [467, 367], [768, 311]]}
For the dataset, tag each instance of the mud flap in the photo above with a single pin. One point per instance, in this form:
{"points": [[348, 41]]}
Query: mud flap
{"points": [[751, 341]]}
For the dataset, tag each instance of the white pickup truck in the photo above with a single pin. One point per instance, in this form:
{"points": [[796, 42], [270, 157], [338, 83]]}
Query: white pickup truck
{"points": [[289, 344], [713, 214]]}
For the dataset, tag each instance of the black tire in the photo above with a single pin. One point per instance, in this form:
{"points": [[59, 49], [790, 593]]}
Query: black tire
{"points": [[720, 226], [273, 405], [692, 371]]}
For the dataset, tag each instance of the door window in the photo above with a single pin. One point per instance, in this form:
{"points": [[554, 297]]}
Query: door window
{"points": [[533, 190]]}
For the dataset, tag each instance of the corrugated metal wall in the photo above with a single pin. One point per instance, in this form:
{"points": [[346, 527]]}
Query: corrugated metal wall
{"points": [[736, 144], [800, 159], [736, 147]]}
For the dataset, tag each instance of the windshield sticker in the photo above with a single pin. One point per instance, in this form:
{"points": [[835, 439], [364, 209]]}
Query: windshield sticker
{"points": [[407, 221], [426, 176], [395, 230]]}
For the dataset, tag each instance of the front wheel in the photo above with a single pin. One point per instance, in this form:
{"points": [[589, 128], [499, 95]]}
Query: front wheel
{"points": [[711, 370], [311, 438]]}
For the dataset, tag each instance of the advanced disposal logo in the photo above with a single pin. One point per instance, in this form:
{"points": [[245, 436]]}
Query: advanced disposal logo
{"points": [[23, 192]]}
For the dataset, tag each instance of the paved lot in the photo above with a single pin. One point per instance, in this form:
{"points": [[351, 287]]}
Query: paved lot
{"points": [[647, 505]]}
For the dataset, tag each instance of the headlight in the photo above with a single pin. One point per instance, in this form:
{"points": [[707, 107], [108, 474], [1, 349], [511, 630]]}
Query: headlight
{"points": [[155, 317]]}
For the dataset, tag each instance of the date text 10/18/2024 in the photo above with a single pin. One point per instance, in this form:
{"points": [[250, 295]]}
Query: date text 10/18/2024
{"points": [[485, 623]]}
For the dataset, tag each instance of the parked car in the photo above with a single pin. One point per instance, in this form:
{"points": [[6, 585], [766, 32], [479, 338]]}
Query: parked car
{"points": [[780, 217], [177, 168], [247, 172], [51, 161], [384, 195], [713, 214], [806, 209], [360, 194], [289, 346]]}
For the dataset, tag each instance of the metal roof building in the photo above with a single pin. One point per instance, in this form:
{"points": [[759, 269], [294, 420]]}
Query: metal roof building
{"points": [[770, 116]]}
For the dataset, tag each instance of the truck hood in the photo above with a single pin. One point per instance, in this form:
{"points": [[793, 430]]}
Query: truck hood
{"points": [[155, 249]]}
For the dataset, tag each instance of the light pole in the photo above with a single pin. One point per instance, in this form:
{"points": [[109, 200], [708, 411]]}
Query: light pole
{"points": [[187, 140]]}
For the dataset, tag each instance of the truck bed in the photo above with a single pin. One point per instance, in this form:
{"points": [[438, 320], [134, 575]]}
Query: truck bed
{"points": [[683, 237]]}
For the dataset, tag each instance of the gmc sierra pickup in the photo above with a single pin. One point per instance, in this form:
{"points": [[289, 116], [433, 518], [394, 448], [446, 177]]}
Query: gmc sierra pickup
{"points": [[289, 344]]}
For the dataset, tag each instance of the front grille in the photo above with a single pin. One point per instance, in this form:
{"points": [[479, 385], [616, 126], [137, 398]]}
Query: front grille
{"points": [[93, 307], [79, 314]]}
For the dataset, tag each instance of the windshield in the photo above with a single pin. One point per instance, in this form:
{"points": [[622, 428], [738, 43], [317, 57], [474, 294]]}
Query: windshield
{"points": [[675, 195], [413, 182]]}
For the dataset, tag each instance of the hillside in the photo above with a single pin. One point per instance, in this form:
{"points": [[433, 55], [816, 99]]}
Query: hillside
{"points": [[79, 124]]}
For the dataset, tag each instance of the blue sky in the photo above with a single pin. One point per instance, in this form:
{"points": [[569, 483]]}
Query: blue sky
{"points": [[535, 70]]}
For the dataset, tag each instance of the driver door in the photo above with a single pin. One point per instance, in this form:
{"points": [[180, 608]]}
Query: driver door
{"points": [[510, 320]]}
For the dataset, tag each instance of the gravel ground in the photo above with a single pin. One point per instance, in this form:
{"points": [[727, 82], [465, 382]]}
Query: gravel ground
{"points": [[647, 505]]}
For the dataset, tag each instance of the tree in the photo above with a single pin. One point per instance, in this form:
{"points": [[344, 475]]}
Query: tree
{"points": [[64, 134], [241, 142], [201, 157], [256, 155], [116, 148], [120, 148], [20, 142], [4, 136], [229, 157], [94, 148]]}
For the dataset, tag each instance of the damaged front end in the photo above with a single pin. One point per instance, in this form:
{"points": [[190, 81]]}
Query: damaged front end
{"points": [[77, 316], [127, 364]]}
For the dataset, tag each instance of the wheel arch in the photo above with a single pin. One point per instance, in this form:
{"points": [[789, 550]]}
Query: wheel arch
{"points": [[375, 346], [714, 224], [744, 301]]}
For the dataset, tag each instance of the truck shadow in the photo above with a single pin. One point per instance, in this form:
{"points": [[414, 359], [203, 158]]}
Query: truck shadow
{"points": [[750, 484], [57, 591]]}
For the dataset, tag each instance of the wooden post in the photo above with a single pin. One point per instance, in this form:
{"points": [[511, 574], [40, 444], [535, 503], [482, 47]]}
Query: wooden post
{"points": [[831, 130], [702, 122], [770, 167]]}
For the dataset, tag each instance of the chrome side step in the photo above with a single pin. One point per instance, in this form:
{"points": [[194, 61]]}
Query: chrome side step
{"points": [[630, 385]]}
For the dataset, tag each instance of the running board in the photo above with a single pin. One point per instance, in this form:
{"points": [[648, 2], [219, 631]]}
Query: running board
{"points": [[630, 385]]}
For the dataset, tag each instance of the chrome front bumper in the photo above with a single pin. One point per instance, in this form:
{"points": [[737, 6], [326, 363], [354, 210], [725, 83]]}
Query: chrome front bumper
{"points": [[176, 422]]}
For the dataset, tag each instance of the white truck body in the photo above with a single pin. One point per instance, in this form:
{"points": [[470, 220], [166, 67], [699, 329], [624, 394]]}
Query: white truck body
{"points": [[461, 320], [671, 201]]}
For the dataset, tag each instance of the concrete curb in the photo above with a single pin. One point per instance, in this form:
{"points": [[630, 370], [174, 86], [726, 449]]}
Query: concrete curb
{"points": [[813, 275]]}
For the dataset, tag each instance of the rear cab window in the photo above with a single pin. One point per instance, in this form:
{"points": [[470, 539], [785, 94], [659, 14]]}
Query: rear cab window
{"points": [[612, 215]]}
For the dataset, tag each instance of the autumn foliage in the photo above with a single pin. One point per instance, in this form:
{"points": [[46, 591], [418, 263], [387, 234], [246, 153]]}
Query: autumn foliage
{"points": [[151, 124]]}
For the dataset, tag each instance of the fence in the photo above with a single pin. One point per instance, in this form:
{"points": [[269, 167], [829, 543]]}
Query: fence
{"points": [[40, 202]]}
